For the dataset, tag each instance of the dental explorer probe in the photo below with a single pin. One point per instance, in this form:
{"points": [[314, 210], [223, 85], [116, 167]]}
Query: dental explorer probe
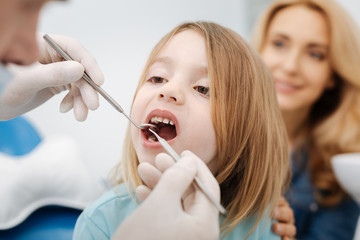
{"points": [[86, 77], [176, 157]]}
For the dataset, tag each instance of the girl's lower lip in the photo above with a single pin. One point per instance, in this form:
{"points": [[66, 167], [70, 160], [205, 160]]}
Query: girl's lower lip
{"points": [[153, 145], [148, 144]]}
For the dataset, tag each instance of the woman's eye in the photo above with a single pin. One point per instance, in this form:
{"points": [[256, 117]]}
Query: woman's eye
{"points": [[278, 44], [202, 90], [317, 55], [157, 80]]}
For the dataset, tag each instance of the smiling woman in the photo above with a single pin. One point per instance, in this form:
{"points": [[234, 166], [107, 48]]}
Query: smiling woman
{"points": [[312, 48], [302, 51]]}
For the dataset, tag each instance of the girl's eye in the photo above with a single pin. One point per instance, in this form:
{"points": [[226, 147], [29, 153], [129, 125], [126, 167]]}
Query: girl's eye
{"points": [[157, 80], [202, 90]]}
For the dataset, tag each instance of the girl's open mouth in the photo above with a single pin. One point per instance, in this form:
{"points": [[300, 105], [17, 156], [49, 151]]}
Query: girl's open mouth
{"points": [[165, 128]]}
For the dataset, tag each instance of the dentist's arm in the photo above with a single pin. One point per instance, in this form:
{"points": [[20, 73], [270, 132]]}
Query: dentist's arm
{"points": [[35, 84], [173, 209]]}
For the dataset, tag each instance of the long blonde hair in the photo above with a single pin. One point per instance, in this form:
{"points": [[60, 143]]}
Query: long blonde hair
{"points": [[251, 140], [333, 124]]}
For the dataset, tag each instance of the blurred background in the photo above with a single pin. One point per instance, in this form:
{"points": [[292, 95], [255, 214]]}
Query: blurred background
{"points": [[121, 34]]}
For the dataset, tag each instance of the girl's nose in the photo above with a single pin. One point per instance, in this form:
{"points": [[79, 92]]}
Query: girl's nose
{"points": [[172, 92]]}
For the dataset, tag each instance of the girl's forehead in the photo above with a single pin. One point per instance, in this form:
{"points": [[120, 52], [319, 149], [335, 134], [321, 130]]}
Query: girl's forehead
{"points": [[184, 38], [186, 46]]}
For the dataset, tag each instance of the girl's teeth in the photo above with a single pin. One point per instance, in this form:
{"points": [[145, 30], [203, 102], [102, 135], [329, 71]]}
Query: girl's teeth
{"points": [[151, 138], [157, 120], [154, 120]]}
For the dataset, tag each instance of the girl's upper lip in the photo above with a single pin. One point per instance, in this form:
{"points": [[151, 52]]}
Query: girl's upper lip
{"points": [[164, 114]]}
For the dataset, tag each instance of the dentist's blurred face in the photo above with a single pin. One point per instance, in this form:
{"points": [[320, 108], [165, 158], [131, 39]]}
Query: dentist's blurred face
{"points": [[297, 51], [176, 98], [18, 23]]}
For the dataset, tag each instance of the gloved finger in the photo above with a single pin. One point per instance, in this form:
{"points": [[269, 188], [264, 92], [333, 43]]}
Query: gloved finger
{"points": [[88, 94], [57, 74], [38, 76], [80, 109], [163, 161], [209, 181], [142, 192], [149, 174], [59, 89], [92, 68], [67, 103], [204, 173], [188, 196], [80, 54], [175, 181]]}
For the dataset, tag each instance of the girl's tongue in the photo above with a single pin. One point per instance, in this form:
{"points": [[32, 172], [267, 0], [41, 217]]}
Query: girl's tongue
{"points": [[167, 132]]}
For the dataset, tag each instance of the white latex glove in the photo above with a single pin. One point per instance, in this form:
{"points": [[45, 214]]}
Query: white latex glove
{"points": [[35, 84], [174, 209]]}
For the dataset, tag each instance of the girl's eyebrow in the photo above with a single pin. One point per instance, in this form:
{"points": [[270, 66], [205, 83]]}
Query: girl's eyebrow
{"points": [[165, 60], [203, 69]]}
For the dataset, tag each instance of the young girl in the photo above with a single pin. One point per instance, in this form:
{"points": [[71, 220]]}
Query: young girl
{"points": [[312, 48], [209, 93]]}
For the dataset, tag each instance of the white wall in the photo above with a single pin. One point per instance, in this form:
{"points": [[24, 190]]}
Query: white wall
{"points": [[120, 34], [353, 7]]}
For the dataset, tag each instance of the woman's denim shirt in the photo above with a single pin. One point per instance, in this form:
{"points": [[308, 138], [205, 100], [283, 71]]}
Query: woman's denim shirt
{"points": [[312, 220]]}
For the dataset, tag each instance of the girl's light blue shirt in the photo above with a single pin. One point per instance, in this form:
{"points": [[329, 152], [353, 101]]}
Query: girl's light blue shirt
{"points": [[101, 219]]}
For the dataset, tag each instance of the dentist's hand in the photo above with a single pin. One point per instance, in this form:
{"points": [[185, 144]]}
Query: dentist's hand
{"points": [[174, 209], [35, 84]]}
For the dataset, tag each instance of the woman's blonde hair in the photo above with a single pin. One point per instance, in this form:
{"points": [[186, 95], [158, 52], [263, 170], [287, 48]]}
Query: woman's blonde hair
{"points": [[334, 123], [251, 140]]}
